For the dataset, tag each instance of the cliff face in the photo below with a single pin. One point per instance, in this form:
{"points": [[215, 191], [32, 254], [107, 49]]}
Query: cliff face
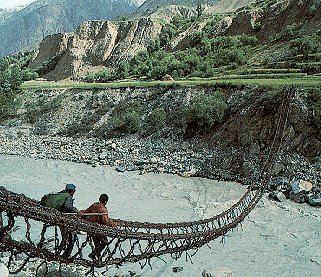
{"points": [[24, 29], [94, 43], [303, 16]]}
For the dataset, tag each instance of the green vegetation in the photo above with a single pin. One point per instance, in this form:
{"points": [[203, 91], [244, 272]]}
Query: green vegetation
{"points": [[306, 45], [306, 81], [13, 71], [101, 76], [132, 121], [201, 60], [156, 120], [40, 108], [316, 107], [205, 110]]}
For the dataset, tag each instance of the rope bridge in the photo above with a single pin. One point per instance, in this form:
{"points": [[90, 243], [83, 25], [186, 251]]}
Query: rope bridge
{"points": [[22, 232]]}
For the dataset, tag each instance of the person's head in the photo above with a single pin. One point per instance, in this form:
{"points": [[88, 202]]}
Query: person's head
{"points": [[103, 198], [70, 188]]}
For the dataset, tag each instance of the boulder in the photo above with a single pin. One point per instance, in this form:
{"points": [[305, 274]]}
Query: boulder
{"points": [[314, 198], [168, 77], [297, 197], [305, 185], [277, 196], [4, 272], [218, 272]]}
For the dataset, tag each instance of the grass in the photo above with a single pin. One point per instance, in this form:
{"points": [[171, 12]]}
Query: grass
{"points": [[310, 63], [276, 80]]}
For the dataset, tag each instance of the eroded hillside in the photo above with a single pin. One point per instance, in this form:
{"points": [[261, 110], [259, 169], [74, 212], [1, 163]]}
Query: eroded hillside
{"points": [[206, 131], [103, 44]]}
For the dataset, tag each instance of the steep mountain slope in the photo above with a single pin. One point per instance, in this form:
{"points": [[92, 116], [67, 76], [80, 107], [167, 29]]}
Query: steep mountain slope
{"points": [[103, 43], [150, 6], [95, 43], [228, 6], [26, 28], [278, 19]]}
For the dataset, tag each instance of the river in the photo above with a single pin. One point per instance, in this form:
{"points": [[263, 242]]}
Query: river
{"points": [[277, 240]]}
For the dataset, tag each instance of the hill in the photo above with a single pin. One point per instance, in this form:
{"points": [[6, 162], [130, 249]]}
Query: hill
{"points": [[24, 29]]}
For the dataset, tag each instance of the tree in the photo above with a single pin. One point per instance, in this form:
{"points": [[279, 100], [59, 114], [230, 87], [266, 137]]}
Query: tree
{"points": [[123, 70], [10, 81], [306, 45]]}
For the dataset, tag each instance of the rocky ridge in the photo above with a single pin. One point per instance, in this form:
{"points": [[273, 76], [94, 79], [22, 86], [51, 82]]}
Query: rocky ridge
{"points": [[95, 43], [25, 29]]}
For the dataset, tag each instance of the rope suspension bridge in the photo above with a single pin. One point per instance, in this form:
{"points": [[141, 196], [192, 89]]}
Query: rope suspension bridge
{"points": [[21, 220]]}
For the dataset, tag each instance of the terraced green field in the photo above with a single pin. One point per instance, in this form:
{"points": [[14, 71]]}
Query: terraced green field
{"points": [[270, 80]]}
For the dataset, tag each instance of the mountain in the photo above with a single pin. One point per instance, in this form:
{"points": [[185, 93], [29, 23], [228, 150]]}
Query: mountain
{"points": [[93, 45], [5, 14], [150, 6], [223, 6], [98, 44], [25, 28]]}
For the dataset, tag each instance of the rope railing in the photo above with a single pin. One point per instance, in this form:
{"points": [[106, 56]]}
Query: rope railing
{"points": [[128, 241]]}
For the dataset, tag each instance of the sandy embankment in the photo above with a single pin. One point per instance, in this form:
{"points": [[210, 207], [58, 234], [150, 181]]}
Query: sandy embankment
{"points": [[277, 240]]}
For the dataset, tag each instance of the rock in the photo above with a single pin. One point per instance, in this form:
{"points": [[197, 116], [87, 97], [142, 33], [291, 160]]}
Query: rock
{"points": [[177, 269], [278, 168], [278, 196], [4, 272], [280, 183], [218, 272], [168, 77], [297, 197], [4, 260], [316, 202], [314, 198], [153, 160], [120, 169], [305, 185], [299, 190], [103, 156], [295, 188]]}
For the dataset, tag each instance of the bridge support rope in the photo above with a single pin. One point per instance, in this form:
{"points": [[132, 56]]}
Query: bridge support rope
{"points": [[129, 241]]}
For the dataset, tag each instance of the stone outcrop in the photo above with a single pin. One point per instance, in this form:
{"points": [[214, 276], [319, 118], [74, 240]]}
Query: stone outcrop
{"points": [[95, 43], [24, 29], [300, 15]]}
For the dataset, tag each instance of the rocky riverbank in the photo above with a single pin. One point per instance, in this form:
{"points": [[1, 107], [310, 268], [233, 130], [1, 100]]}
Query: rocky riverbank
{"points": [[170, 155]]}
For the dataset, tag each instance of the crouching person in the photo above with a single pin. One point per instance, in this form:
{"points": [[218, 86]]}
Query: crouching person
{"points": [[63, 202], [98, 213]]}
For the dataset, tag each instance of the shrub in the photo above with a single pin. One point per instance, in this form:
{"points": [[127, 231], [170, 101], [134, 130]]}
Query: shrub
{"points": [[101, 76], [132, 121], [156, 119], [113, 127], [305, 45], [206, 110]]}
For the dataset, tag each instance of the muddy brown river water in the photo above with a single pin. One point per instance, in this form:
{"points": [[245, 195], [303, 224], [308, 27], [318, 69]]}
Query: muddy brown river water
{"points": [[277, 240]]}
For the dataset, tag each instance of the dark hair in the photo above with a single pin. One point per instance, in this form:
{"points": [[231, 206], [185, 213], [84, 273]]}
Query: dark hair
{"points": [[103, 198], [70, 188]]}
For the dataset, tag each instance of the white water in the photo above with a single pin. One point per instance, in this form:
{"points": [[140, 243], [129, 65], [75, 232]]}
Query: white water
{"points": [[277, 240]]}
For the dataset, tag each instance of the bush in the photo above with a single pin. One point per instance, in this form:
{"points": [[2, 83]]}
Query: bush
{"points": [[10, 80], [101, 76], [113, 127], [132, 121], [156, 120], [206, 110], [305, 45]]}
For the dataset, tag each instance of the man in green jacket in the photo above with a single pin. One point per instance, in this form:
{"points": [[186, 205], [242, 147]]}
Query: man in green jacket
{"points": [[63, 201]]}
